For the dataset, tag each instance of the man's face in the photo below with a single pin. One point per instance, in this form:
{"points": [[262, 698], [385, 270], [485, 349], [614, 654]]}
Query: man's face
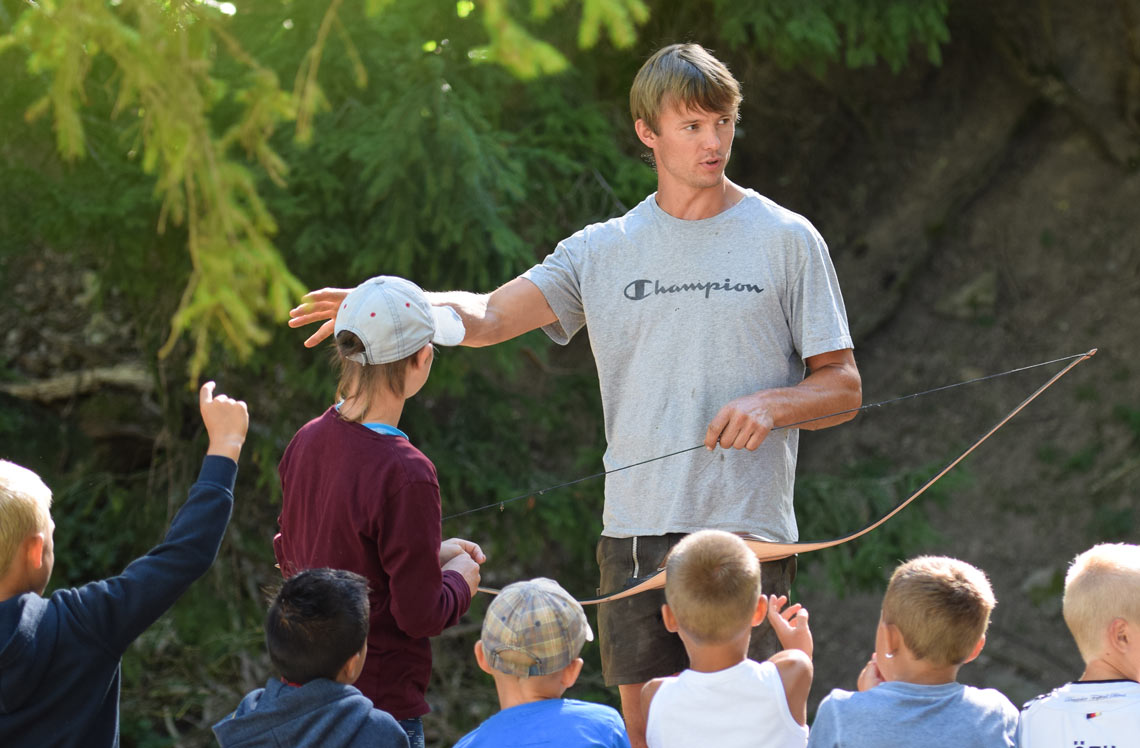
{"points": [[691, 146]]}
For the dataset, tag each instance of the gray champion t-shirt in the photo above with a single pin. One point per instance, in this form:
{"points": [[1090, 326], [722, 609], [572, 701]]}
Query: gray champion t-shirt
{"points": [[684, 316]]}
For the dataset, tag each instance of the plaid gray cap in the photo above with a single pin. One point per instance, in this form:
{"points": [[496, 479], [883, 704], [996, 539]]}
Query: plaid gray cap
{"points": [[393, 318], [540, 623]]}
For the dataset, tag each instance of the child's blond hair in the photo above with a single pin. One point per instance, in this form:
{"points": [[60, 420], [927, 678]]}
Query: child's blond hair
{"points": [[1102, 584], [683, 75], [25, 509], [359, 382], [941, 607], [712, 585]]}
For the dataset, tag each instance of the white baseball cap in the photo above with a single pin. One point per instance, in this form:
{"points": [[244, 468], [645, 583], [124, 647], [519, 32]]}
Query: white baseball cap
{"points": [[393, 319]]}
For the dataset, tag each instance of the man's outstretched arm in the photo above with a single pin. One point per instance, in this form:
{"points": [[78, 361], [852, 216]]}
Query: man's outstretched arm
{"points": [[831, 386], [509, 311]]}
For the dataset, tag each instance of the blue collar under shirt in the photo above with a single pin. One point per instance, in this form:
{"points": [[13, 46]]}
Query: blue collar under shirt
{"points": [[379, 428]]}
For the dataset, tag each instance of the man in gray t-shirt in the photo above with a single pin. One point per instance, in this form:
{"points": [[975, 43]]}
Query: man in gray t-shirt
{"points": [[706, 305]]}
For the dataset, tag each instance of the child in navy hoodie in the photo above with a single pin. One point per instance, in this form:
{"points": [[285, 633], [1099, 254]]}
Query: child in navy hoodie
{"points": [[59, 656], [317, 635]]}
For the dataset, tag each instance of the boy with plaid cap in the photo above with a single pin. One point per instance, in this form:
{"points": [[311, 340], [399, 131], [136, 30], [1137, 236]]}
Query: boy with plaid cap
{"points": [[532, 634]]}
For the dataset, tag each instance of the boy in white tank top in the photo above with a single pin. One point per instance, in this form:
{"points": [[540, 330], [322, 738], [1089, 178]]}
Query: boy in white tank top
{"points": [[712, 593], [1102, 609]]}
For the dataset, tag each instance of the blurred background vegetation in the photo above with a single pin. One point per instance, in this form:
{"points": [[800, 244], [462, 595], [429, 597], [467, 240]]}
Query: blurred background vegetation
{"points": [[176, 174]]}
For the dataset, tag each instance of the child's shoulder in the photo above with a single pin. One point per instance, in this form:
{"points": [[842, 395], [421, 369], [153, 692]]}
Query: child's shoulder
{"points": [[550, 720], [989, 697]]}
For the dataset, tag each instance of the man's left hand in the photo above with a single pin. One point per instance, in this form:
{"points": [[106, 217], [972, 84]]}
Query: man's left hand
{"points": [[742, 424]]}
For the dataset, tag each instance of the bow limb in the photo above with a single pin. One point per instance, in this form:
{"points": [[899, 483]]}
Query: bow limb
{"points": [[767, 550]]}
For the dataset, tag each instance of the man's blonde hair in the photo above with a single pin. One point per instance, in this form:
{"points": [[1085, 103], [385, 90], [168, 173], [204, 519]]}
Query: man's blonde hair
{"points": [[684, 75], [25, 509], [941, 607], [1103, 584], [712, 585]]}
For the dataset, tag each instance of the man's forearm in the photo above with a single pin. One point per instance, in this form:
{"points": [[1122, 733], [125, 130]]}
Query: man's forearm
{"points": [[472, 309], [509, 311], [832, 388]]}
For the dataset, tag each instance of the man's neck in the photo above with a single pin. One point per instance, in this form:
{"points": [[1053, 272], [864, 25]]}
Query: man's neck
{"points": [[694, 204]]}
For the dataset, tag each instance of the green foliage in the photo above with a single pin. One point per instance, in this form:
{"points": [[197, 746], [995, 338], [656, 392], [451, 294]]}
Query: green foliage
{"points": [[832, 506], [858, 32], [152, 50]]}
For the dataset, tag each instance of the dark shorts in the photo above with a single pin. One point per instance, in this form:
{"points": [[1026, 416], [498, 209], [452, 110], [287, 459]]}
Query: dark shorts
{"points": [[634, 644]]}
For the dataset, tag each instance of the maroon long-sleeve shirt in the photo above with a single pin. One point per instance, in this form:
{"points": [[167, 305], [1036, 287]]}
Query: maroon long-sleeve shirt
{"points": [[369, 503]]}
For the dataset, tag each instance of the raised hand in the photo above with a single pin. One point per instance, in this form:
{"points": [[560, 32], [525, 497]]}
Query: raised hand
{"points": [[790, 624], [871, 676], [226, 420]]}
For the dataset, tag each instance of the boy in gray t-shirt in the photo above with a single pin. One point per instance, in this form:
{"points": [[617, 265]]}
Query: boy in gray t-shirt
{"points": [[934, 620]]}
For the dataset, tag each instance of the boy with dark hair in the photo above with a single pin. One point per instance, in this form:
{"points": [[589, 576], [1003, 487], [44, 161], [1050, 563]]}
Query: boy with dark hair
{"points": [[724, 699], [316, 632], [60, 656], [934, 619], [532, 635], [1102, 610]]}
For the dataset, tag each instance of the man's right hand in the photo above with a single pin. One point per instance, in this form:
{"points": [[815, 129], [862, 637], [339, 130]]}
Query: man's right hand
{"points": [[316, 306], [465, 565]]}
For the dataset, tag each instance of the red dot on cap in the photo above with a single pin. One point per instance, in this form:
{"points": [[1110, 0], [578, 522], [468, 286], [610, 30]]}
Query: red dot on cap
{"points": [[372, 315], [345, 306], [407, 303]]}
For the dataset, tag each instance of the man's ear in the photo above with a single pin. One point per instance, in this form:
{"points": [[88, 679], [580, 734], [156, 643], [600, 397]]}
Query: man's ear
{"points": [[977, 650], [570, 673], [667, 616], [423, 355], [481, 658], [645, 133]]}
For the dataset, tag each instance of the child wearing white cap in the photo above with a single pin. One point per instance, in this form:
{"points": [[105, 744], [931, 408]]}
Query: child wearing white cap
{"points": [[357, 495], [532, 635]]}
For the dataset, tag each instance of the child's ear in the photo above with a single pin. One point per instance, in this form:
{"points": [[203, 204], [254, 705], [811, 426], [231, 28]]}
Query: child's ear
{"points": [[977, 650], [894, 637], [424, 355], [481, 658], [570, 673], [353, 667], [761, 610], [668, 618], [1118, 635], [34, 550]]}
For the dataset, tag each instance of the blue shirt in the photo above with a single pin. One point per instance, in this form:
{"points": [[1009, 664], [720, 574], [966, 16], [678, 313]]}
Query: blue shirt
{"points": [[550, 722], [904, 715]]}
